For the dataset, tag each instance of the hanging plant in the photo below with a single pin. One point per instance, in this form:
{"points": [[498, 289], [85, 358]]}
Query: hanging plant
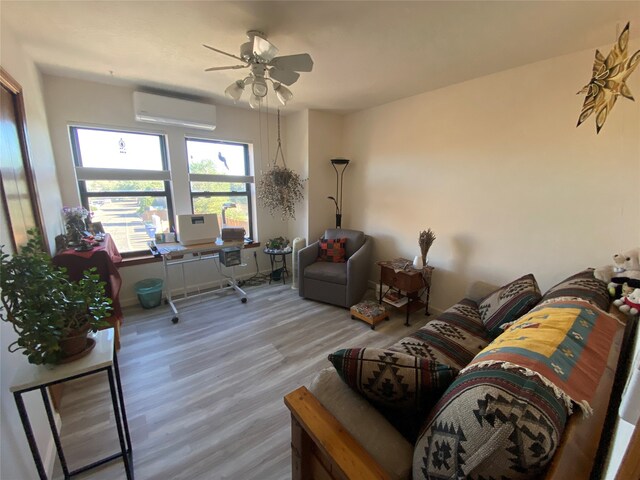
{"points": [[280, 188]]}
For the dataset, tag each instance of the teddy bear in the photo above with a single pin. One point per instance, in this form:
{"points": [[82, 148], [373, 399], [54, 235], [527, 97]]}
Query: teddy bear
{"points": [[625, 269], [629, 304]]}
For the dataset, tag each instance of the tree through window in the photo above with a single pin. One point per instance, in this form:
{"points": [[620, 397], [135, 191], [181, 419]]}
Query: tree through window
{"points": [[220, 181]]}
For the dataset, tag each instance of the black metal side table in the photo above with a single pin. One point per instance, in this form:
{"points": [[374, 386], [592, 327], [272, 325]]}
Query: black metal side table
{"points": [[275, 262], [102, 358]]}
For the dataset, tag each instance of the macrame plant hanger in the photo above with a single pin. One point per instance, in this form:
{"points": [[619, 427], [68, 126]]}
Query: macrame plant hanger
{"points": [[280, 188], [279, 149]]}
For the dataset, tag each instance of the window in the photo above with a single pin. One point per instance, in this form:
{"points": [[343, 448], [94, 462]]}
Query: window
{"points": [[123, 178], [220, 181]]}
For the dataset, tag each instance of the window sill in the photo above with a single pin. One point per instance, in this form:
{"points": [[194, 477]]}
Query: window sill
{"points": [[148, 258], [138, 260]]}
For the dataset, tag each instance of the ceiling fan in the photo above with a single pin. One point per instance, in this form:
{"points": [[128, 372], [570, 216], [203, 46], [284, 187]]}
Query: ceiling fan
{"points": [[259, 55]]}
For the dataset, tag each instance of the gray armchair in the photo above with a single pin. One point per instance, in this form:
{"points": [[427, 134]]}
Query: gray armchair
{"points": [[340, 284]]}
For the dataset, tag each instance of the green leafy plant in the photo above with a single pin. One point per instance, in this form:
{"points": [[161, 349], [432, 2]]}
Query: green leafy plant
{"points": [[75, 221], [277, 243], [43, 305], [279, 190]]}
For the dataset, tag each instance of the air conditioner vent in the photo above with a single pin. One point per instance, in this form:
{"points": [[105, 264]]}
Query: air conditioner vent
{"points": [[173, 111]]}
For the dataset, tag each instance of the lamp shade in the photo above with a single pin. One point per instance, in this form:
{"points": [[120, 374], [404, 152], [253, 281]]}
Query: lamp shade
{"points": [[235, 90], [254, 102], [283, 93], [340, 161], [259, 87]]}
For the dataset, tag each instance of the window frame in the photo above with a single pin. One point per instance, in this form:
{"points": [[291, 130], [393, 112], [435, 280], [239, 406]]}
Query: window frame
{"points": [[84, 174], [247, 179]]}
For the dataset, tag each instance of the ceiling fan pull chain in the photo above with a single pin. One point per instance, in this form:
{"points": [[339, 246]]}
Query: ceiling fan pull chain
{"points": [[268, 134]]}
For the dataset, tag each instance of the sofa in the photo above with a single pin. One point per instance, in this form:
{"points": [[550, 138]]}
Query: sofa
{"points": [[511, 385], [335, 269]]}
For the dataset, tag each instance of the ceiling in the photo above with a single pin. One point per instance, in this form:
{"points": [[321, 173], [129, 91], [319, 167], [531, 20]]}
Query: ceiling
{"points": [[366, 53]]}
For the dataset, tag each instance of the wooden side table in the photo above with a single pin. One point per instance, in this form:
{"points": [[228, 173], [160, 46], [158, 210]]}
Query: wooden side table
{"points": [[102, 358], [399, 274]]}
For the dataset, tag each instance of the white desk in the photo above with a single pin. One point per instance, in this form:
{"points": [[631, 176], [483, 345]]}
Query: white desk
{"points": [[177, 254], [38, 377]]}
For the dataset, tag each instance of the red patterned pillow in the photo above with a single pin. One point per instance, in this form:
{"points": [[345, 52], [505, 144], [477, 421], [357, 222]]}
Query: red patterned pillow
{"points": [[332, 250]]}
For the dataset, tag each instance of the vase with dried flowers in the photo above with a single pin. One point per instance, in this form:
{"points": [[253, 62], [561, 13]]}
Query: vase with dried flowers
{"points": [[75, 221], [281, 188], [425, 240]]}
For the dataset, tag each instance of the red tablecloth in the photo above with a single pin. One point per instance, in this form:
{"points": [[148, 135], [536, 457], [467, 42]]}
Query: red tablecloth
{"points": [[103, 258]]}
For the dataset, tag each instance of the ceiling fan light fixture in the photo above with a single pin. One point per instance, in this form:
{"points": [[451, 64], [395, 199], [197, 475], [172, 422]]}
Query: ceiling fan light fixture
{"points": [[259, 87], [254, 101], [235, 90], [283, 93], [260, 56]]}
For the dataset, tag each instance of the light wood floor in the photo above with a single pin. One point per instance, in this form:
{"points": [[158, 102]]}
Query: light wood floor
{"points": [[204, 396]]}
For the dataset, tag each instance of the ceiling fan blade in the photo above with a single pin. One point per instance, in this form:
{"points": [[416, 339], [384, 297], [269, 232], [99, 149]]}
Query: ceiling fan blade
{"points": [[287, 77], [230, 67], [264, 49], [223, 53], [301, 62]]}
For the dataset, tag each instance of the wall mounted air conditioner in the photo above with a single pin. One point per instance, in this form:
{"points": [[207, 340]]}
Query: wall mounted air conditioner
{"points": [[173, 111]]}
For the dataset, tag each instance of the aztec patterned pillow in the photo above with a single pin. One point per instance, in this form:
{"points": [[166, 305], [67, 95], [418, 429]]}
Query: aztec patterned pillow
{"points": [[508, 303], [332, 250], [453, 338], [392, 379], [491, 423], [582, 285]]}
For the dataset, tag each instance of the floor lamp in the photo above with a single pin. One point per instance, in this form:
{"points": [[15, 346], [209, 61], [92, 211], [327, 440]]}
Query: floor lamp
{"points": [[336, 163]]}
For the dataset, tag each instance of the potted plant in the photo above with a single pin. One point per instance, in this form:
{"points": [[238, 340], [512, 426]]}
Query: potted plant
{"points": [[75, 221], [278, 243], [51, 314], [280, 188]]}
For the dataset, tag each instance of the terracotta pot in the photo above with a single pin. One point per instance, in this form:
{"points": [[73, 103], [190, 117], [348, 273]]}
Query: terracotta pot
{"points": [[75, 342]]}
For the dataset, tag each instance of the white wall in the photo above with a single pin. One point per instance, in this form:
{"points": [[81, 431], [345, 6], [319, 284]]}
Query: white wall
{"points": [[325, 143], [72, 101], [496, 167], [296, 139], [16, 462], [313, 139]]}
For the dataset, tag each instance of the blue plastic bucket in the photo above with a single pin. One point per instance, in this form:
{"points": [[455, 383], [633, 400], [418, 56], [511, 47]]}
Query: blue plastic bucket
{"points": [[149, 292]]}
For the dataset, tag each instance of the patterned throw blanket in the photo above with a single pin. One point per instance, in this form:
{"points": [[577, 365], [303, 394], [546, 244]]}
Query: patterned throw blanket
{"points": [[564, 343]]}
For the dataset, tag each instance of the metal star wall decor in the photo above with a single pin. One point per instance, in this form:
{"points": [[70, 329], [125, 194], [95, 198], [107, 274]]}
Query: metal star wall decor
{"points": [[608, 80]]}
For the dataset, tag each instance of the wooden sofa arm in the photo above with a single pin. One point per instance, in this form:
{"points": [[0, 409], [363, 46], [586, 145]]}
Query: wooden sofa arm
{"points": [[320, 446]]}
